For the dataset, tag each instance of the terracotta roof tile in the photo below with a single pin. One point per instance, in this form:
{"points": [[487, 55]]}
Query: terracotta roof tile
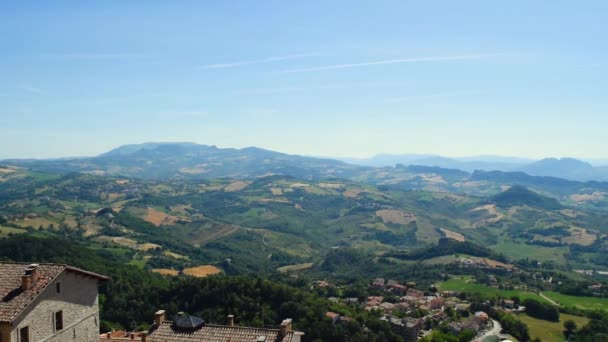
{"points": [[167, 332]]}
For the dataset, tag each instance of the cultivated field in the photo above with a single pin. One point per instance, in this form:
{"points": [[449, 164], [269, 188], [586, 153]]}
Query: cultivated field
{"points": [[581, 302], [295, 268], [550, 331], [202, 271], [395, 216], [466, 284], [236, 186], [158, 218], [5, 231], [452, 235], [166, 271]]}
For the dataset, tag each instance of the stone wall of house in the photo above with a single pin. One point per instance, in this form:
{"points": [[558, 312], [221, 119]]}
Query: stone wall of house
{"points": [[78, 299]]}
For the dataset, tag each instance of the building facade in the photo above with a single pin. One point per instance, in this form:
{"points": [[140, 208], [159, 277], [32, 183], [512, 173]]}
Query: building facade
{"points": [[48, 302]]}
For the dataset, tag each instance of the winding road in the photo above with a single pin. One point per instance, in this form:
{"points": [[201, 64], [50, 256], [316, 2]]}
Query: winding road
{"points": [[495, 331]]}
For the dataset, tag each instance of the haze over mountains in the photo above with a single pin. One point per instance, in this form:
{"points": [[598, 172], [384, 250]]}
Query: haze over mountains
{"points": [[153, 160], [567, 168]]}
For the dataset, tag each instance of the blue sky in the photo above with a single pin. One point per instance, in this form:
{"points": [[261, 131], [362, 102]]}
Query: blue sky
{"points": [[332, 78]]}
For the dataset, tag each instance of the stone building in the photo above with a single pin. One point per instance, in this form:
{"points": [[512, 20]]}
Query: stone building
{"points": [[48, 302]]}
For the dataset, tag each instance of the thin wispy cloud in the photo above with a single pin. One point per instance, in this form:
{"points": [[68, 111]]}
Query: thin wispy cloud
{"points": [[186, 114], [31, 89], [239, 64], [431, 96], [393, 61], [271, 91], [322, 87], [90, 56]]}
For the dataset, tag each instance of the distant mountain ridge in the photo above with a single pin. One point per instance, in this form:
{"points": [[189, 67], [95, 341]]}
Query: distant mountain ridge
{"points": [[566, 168], [190, 160]]}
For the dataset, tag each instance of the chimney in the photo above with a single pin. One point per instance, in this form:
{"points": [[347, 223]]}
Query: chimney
{"points": [[230, 320], [132, 336], [109, 335], [159, 317], [29, 277], [288, 323], [285, 328], [144, 336]]}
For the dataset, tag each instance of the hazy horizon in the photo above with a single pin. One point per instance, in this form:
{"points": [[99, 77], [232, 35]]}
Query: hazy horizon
{"points": [[334, 79], [593, 161]]}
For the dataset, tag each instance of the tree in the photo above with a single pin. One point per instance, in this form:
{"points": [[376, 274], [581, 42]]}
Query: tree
{"points": [[570, 326]]}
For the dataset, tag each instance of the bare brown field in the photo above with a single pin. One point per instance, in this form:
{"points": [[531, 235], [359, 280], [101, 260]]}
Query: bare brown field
{"points": [[158, 218], [219, 231], [434, 179], [122, 181], [7, 170], [35, 222], [90, 228], [70, 221], [352, 193], [471, 184], [202, 271], [165, 271], [181, 209], [494, 263], [331, 185], [493, 215], [295, 268], [196, 170], [236, 186], [95, 172], [580, 236], [276, 191], [113, 196], [452, 235], [174, 255], [146, 246], [571, 213], [596, 196], [395, 216]]}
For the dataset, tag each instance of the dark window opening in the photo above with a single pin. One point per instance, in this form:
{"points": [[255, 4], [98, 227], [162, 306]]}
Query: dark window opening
{"points": [[24, 334], [58, 320], [58, 287]]}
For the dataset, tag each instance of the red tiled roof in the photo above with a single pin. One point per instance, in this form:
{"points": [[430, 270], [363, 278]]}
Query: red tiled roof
{"points": [[167, 332], [331, 315], [13, 300]]}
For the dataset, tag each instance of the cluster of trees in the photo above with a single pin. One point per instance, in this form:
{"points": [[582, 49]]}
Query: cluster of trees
{"points": [[540, 310], [465, 335], [447, 246], [595, 331]]}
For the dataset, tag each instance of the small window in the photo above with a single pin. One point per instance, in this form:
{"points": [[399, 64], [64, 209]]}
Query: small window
{"points": [[58, 320], [24, 334], [58, 287], [74, 331]]}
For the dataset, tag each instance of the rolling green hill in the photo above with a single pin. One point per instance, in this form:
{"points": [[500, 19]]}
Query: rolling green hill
{"points": [[261, 224]]}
